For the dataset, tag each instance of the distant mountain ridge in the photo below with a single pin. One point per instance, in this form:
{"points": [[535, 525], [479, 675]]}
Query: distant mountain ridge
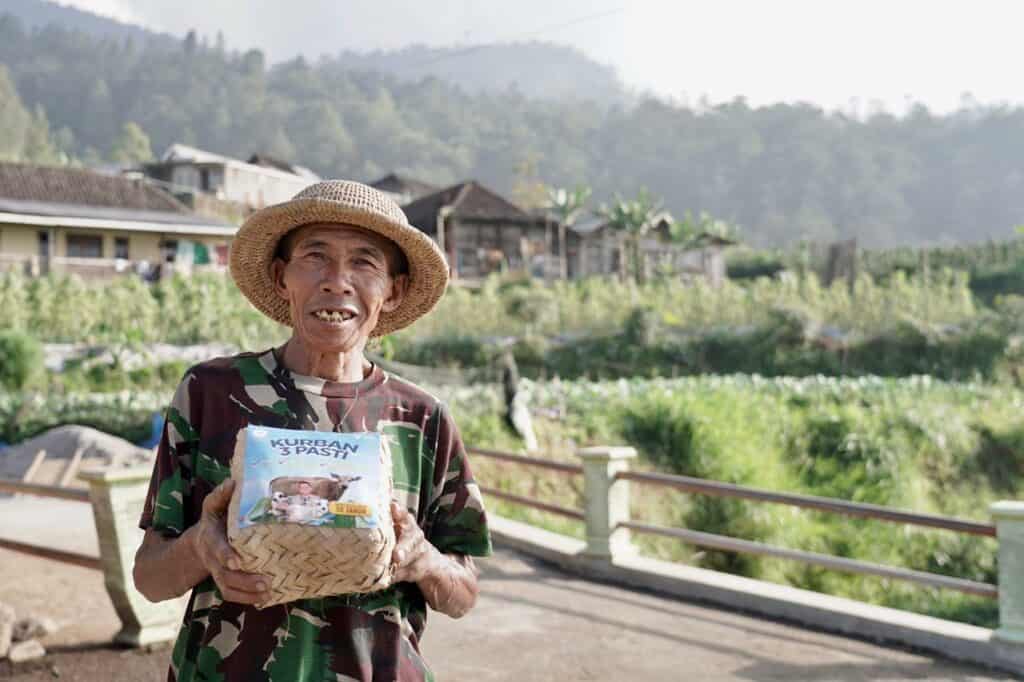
{"points": [[37, 14], [534, 69]]}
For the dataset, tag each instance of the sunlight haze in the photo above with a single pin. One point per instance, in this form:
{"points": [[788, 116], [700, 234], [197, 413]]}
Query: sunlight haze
{"points": [[850, 56]]}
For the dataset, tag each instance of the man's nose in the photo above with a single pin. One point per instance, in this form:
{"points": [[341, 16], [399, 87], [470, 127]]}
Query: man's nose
{"points": [[337, 279]]}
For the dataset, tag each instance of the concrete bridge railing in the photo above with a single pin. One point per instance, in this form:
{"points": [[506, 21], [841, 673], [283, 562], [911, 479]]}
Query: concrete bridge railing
{"points": [[608, 552]]}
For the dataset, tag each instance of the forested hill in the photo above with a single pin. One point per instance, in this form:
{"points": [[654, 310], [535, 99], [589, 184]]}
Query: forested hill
{"points": [[535, 69], [783, 173], [41, 13]]}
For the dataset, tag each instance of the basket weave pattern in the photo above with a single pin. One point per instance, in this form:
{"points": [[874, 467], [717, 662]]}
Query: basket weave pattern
{"points": [[302, 561]]}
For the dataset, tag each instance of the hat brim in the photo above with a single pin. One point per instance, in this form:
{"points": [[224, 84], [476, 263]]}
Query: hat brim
{"points": [[252, 253]]}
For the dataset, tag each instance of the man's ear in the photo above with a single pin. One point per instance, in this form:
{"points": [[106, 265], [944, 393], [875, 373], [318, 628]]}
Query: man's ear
{"points": [[277, 275], [399, 287]]}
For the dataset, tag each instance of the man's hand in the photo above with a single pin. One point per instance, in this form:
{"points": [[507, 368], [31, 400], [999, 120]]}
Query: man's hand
{"points": [[448, 581], [210, 543], [414, 556]]}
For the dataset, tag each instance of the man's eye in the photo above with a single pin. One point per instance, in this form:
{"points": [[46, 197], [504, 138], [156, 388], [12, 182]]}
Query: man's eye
{"points": [[315, 255]]}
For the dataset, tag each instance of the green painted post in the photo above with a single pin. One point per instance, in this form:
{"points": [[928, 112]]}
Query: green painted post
{"points": [[1009, 518], [117, 496], [606, 501]]}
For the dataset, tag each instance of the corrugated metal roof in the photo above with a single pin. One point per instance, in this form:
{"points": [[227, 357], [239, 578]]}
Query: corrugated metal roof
{"points": [[7, 218], [59, 210]]}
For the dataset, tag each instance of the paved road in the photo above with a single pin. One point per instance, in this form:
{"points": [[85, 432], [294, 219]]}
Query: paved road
{"points": [[536, 623], [532, 623]]}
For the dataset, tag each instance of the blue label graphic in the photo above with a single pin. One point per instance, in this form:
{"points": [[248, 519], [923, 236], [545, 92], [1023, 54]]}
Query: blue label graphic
{"points": [[311, 478]]}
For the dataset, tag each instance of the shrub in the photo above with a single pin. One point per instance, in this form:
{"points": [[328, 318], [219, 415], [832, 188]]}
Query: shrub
{"points": [[21, 358], [445, 351]]}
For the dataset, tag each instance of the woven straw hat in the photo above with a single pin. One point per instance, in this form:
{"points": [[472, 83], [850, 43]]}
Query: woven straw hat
{"points": [[349, 203]]}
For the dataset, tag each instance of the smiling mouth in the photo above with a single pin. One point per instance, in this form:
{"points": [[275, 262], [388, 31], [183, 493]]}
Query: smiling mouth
{"points": [[335, 316]]}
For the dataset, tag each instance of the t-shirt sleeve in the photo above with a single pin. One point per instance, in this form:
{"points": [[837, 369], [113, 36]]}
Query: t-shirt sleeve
{"points": [[457, 522], [164, 508]]}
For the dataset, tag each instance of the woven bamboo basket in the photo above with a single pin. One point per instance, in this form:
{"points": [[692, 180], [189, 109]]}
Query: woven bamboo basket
{"points": [[303, 561]]}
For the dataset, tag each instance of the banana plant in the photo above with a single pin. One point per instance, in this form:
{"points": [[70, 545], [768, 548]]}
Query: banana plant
{"points": [[633, 219], [691, 226], [567, 206]]}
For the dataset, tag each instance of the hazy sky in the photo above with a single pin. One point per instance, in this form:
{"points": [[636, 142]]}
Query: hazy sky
{"points": [[835, 54]]}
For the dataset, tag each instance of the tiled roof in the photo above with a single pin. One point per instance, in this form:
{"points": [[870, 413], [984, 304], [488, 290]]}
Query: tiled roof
{"points": [[59, 185], [468, 200]]}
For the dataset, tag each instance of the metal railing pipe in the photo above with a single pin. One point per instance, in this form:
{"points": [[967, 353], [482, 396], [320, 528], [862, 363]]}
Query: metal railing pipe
{"points": [[827, 504], [530, 502], [729, 544], [528, 461]]}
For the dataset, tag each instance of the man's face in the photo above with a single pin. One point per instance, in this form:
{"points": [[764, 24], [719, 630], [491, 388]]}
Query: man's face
{"points": [[305, 488], [337, 281]]}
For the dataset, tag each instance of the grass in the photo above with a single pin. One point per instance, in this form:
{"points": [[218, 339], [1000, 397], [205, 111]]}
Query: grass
{"points": [[917, 444]]}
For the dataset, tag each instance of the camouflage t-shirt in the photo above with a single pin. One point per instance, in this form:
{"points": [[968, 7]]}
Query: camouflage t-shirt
{"points": [[347, 637]]}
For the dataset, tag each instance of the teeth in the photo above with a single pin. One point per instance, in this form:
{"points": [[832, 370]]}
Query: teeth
{"points": [[334, 315]]}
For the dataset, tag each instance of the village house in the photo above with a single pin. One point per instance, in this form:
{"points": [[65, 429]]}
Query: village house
{"points": [[402, 188], [251, 184], [594, 248], [481, 232], [79, 221]]}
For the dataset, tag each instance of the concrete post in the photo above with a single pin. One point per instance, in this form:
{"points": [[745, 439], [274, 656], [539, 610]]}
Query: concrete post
{"points": [[1009, 518], [606, 501], [117, 496]]}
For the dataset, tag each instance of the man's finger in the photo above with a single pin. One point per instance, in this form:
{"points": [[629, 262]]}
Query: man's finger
{"points": [[239, 597], [399, 514], [218, 499], [244, 582]]}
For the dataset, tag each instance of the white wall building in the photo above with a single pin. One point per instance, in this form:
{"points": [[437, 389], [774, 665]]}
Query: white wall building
{"points": [[256, 183]]}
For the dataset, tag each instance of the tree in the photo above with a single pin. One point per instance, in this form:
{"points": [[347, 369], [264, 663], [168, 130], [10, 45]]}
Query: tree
{"points": [[632, 219], [567, 206], [14, 119], [321, 138], [98, 120], [131, 147], [40, 147], [26, 135], [690, 227]]}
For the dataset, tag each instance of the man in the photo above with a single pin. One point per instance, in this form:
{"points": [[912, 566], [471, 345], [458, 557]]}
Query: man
{"points": [[305, 493], [339, 264]]}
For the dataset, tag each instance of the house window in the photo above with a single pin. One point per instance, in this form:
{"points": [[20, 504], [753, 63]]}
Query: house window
{"points": [[85, 246], [121, 247], [43, 237], [204, 179]]}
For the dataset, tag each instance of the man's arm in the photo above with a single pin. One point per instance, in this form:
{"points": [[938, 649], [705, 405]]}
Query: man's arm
{"points": [[169, 567], [448, 581], [166, 568]]}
